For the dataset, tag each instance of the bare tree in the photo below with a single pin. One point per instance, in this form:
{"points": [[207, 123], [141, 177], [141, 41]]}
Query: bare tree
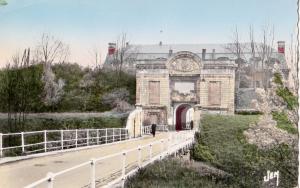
{"points": [[291, 58], [124, 54], [51, 50], [237, 48], [96, 57]]}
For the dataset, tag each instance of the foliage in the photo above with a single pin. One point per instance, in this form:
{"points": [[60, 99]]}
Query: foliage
{"points": [[285, 93], [82, 89], [278, 78], [171, 173], [222, 136], [283, 122], [3, 2], [288, 97]]}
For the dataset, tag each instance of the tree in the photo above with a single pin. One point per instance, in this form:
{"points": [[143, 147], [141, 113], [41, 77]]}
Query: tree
{"points": [[51, 50], [20, 86], [3, 3], [237, 48], [124, 54]]}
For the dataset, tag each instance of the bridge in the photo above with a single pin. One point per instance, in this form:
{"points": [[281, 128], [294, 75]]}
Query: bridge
{"points": [[86, 158]]}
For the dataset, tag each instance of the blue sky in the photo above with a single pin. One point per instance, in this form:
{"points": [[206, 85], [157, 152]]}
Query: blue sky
{"points": [[89, 24]]}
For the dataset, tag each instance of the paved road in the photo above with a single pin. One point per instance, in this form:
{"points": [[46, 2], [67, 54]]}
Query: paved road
{"points": [[22, 173]]}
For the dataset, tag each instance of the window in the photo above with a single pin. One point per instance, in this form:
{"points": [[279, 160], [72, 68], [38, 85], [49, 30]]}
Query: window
{"points": [[154, 92], [214, 93]]}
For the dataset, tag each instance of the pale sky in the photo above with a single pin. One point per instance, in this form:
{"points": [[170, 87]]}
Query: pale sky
{"points": [[89, 24]]}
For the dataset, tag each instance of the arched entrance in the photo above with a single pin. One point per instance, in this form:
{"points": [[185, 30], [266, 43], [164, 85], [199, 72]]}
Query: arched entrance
{"points": [[183, 115]]}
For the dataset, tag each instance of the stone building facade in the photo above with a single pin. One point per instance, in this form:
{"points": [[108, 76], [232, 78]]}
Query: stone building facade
{"points": [[177, 82], [184, 84]]}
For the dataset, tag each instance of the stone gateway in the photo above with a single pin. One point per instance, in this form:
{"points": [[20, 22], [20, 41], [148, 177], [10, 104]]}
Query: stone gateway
{"points": [[175, 91]]}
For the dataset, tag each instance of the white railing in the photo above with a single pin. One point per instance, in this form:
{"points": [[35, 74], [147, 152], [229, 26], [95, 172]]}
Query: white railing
{"points": [[50, 140], [154, 151], [147, 129]]}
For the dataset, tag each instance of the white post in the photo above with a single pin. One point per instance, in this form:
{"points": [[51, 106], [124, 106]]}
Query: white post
{"points": [[124, 165], [45, 140], [93, 173], [62, 139], [50, 176], [1, 144], [106, 136], [87, 137], [120, 134], [139, 156], [113, 138], [150, 152], [76, 138], [97, 136], [23, 142]]}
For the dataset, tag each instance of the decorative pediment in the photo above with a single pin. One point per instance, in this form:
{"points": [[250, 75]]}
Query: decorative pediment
{"points": [[184, 62]]}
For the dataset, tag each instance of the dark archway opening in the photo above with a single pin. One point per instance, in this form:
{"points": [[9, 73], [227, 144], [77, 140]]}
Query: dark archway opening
{"points": [[181, 112]]}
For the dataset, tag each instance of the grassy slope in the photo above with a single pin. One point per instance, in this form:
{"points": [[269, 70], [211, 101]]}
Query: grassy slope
{"points": [[170, 173], [222, 144], [223, 137]]}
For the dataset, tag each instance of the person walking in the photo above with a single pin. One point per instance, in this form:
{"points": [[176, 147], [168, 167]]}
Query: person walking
{"points": [[153, 129], [192, 125]]}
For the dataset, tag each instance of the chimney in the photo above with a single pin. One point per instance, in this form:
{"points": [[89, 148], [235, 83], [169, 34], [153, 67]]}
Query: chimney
{"points": [[111, 48], [213, 53], [281, 47], [203, 54]]}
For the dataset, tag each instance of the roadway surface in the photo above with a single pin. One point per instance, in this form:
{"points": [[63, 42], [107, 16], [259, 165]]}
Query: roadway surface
{"points": [[24, 172]]}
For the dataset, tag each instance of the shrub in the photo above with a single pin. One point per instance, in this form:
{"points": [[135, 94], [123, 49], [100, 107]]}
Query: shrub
{"points": [[283, 122], [278, 78]]}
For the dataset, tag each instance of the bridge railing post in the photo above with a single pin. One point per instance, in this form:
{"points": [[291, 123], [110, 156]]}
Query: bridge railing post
{"points": [[139, 156], [113, 133], [76, 138], [1, 144], [97, 136], [87, 137], [22, 142], [93, 173], [106, 136], [50, 181], [123, 165], [45, 140], [62, 139]]}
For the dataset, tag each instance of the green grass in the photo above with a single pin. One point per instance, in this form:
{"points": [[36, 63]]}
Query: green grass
{"points": [[223, 141], [172, 173], [284, 123], [222, 144]]}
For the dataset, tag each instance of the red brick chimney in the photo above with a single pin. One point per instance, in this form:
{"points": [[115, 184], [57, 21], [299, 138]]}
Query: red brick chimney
{"points": [[281, 47], [111, 48]]}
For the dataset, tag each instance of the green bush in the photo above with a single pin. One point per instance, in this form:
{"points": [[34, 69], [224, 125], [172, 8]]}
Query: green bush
{"points": [[288, 97], [278, 78], [284, 123]]}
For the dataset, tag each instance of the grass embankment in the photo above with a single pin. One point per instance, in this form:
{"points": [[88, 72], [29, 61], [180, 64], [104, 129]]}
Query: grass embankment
{"points": [[171, 173], [222, 144], [228, 150]]}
